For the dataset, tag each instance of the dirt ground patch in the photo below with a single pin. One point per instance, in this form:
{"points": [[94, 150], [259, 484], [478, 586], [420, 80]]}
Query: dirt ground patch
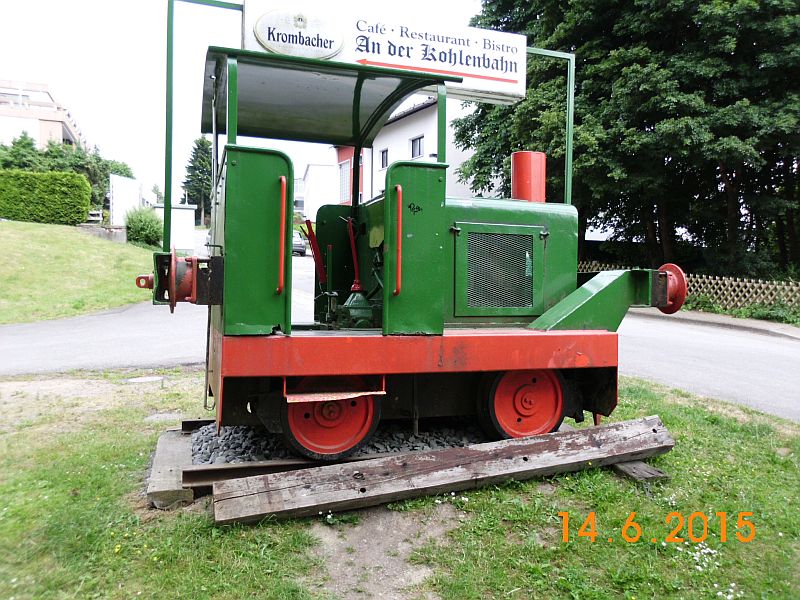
{"points": [[371, 559], [23, 402], [67, 403]]}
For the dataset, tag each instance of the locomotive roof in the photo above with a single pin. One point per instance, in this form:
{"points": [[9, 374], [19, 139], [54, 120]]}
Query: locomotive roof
{"points": [[304, 99]]}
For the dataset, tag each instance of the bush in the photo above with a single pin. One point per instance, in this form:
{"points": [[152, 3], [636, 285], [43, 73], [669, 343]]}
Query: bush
{"points": [[53, 197], [143, 226], [778, 312], [702, 302]]}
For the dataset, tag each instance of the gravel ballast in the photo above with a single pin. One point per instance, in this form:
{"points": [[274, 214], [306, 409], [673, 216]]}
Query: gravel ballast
{"points": [[239, 444]]}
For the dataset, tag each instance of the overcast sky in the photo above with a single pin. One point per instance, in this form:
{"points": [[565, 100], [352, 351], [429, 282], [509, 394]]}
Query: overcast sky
{"points": [[104, 61]]}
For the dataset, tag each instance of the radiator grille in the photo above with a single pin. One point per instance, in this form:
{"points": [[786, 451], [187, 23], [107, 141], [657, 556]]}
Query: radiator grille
{"points": [[499, 270]]}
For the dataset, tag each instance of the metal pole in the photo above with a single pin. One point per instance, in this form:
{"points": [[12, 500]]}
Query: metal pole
{"points": [[168, 142], [168, 125], [441, 113], [570, 121], [570, 58]]}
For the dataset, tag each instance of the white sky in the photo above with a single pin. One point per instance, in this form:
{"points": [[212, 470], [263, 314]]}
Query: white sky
{"points": [[104, 61]]}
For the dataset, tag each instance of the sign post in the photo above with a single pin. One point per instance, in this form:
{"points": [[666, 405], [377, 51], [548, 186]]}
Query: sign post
{"points": [[491, 63]]}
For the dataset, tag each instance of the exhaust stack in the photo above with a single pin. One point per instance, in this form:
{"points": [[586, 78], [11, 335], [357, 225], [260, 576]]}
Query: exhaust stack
{"points": [[528, 176]]}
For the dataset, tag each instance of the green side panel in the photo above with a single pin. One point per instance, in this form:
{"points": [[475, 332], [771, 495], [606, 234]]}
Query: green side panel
{"points": [[251, 244], [600, 303], [374, 212], [499, 269], [331, 230], [419, 307], [499, 263]]}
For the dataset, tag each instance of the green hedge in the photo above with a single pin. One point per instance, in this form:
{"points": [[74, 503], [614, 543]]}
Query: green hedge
{"points": [[51, 197]]}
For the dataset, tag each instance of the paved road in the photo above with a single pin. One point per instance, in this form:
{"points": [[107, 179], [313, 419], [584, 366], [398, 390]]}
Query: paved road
{"points": [[757, 369], [747, 367], [138, 335]]}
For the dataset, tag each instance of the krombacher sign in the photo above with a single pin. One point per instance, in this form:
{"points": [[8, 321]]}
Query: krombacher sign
{"points": [[296, 33], [491, 63]]}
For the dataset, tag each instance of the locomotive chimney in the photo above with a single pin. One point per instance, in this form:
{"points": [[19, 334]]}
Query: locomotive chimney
{"points": [[528, 176]]}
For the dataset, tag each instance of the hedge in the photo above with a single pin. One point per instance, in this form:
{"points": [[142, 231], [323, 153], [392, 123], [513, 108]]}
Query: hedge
{"points": [[52, 197]]}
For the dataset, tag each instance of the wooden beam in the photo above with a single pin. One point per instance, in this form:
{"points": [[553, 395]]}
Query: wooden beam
{"points": [[201, 477], [173, 452], [639, 471], [355, 485]]}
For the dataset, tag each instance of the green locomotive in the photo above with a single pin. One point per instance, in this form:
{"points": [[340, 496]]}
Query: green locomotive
{"points": [[426, 306]]}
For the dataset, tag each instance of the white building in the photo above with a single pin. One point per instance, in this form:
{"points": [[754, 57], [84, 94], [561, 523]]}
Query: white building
{"points": [[319, 185], [124, 195], [30, 107], [411, 133]]}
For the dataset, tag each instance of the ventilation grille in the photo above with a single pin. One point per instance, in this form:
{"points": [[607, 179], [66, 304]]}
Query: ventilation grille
{"points": [[499, 270]]}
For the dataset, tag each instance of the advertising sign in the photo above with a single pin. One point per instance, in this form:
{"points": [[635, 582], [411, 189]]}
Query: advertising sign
{"points": [[492, 63]]}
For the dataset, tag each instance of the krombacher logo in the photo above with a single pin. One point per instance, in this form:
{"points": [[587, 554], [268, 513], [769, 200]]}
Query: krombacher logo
{"points": [[297, 34]]}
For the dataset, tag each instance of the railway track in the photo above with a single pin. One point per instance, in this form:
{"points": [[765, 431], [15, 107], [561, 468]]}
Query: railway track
{"points": [[290, 487]]}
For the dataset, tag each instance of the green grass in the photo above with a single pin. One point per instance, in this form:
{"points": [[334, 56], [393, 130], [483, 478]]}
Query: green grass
{"points": [[51, 271], [72, 524], [725, 459], [778, 312]]}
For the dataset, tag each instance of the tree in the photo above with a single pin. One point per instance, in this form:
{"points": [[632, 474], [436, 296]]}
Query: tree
{"points": [[197, 184], [687, 116], [158, 194], [23, 154]]}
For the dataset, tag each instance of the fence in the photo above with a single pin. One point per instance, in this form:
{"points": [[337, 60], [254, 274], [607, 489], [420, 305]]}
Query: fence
{"points": [[727, 292]]}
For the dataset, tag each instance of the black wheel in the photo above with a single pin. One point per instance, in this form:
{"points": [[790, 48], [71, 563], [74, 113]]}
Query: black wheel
{"points": [[515, 404]]}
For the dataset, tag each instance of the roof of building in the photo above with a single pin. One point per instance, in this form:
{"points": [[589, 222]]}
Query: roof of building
{"points": [[429, 101]]}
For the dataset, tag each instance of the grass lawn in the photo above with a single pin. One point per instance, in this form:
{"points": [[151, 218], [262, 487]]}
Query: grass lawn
{"points": [[73, 455], [51, 271]]}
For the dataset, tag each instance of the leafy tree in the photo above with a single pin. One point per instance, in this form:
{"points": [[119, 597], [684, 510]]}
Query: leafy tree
{"points": [[22, 154], [122, 169], [158, 194], [197, 184], [687, 117]]}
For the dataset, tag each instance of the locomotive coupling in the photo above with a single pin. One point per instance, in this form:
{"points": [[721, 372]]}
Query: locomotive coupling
{"points": [[184, 279], [677, 288]]}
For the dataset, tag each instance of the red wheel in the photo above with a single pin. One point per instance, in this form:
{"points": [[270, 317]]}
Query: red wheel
{"points": [[332, 429], [522, 403], [677, 288]]}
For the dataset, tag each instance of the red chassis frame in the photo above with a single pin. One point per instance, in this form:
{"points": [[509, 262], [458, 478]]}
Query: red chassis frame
{"points": [[309, 353]]}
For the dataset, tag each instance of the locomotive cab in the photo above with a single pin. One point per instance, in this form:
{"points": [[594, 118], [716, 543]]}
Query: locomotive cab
{"points": [[425, 305]]}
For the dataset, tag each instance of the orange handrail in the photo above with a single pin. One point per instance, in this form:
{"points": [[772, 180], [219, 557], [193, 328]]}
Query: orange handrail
{"points": [[399, 254], [282, 238]]}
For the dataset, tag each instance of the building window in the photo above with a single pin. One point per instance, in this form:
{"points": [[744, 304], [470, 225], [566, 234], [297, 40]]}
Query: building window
{"points": [[384, 158], [417, 146], [344, 181]]}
